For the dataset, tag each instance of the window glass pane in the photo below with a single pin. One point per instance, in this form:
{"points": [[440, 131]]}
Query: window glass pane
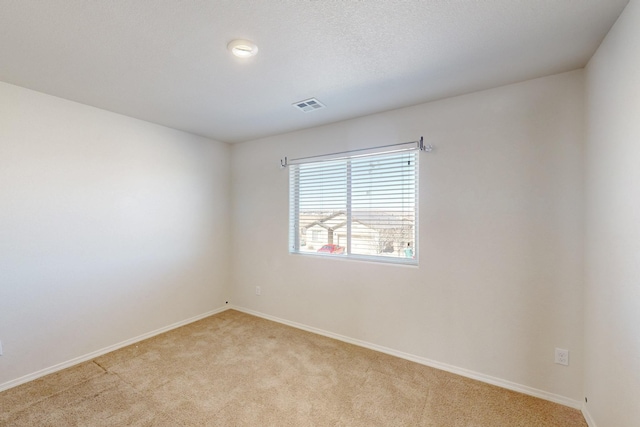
{"points": [[383, 205], [322, 207]]}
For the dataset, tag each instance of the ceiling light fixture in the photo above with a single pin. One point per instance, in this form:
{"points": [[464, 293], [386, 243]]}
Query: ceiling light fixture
{"points": [[242, 48]]}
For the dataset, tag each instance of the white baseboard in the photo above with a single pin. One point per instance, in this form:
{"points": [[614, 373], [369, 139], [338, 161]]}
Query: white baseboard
{"points": [[97, 353], [587, 416], [428, 362]]}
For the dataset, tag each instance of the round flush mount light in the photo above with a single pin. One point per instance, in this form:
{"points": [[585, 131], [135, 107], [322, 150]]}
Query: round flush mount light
{"points": [[242, 48]]}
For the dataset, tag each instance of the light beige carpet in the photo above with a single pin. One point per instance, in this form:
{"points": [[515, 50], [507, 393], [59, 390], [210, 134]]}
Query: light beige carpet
{"points": [[233, 369]]}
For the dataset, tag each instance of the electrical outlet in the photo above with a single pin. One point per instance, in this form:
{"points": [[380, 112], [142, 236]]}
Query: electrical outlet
{"points": [[258, 290], [0, 348], [562, 356]]}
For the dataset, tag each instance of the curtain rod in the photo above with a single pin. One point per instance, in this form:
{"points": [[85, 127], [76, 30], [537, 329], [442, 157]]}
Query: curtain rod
{"points": [[419, 146]]}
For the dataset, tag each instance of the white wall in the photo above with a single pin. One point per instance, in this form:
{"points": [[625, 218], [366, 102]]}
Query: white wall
{"points": [[612, 292], [499, 284], [110, 228]]}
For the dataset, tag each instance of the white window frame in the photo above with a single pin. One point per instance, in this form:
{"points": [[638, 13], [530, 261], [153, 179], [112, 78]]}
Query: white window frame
{"points": [[294, 208]]}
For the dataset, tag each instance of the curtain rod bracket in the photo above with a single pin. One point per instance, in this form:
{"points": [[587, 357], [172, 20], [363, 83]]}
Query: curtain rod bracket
{"points": [[283, 163], [425, 148]]}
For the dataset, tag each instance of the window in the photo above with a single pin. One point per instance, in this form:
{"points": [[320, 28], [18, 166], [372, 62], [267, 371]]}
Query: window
{"points": [[363, 207]]}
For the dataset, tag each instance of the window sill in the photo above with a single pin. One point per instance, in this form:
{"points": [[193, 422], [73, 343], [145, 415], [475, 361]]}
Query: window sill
{"points": [[411, 262]]}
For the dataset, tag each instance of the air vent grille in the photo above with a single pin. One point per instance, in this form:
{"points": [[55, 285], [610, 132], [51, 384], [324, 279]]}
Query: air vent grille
{"points": [[308, 105]]}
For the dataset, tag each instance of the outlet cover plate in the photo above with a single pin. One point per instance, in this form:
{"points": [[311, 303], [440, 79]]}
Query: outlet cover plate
{"points": [[562, 356]]}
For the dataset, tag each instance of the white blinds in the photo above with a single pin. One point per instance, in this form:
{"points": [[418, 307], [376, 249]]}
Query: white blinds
{"points": [[362, 206]]}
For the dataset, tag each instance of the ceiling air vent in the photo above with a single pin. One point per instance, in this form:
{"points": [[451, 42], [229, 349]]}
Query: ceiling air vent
{"points": [[309, 105]]}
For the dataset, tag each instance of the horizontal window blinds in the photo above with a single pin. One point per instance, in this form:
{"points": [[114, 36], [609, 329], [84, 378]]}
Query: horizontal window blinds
{"points": [[363, 206]]}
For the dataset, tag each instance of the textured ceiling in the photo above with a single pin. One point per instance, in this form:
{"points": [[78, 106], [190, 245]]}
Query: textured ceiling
{"points": [[165, 61]]}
